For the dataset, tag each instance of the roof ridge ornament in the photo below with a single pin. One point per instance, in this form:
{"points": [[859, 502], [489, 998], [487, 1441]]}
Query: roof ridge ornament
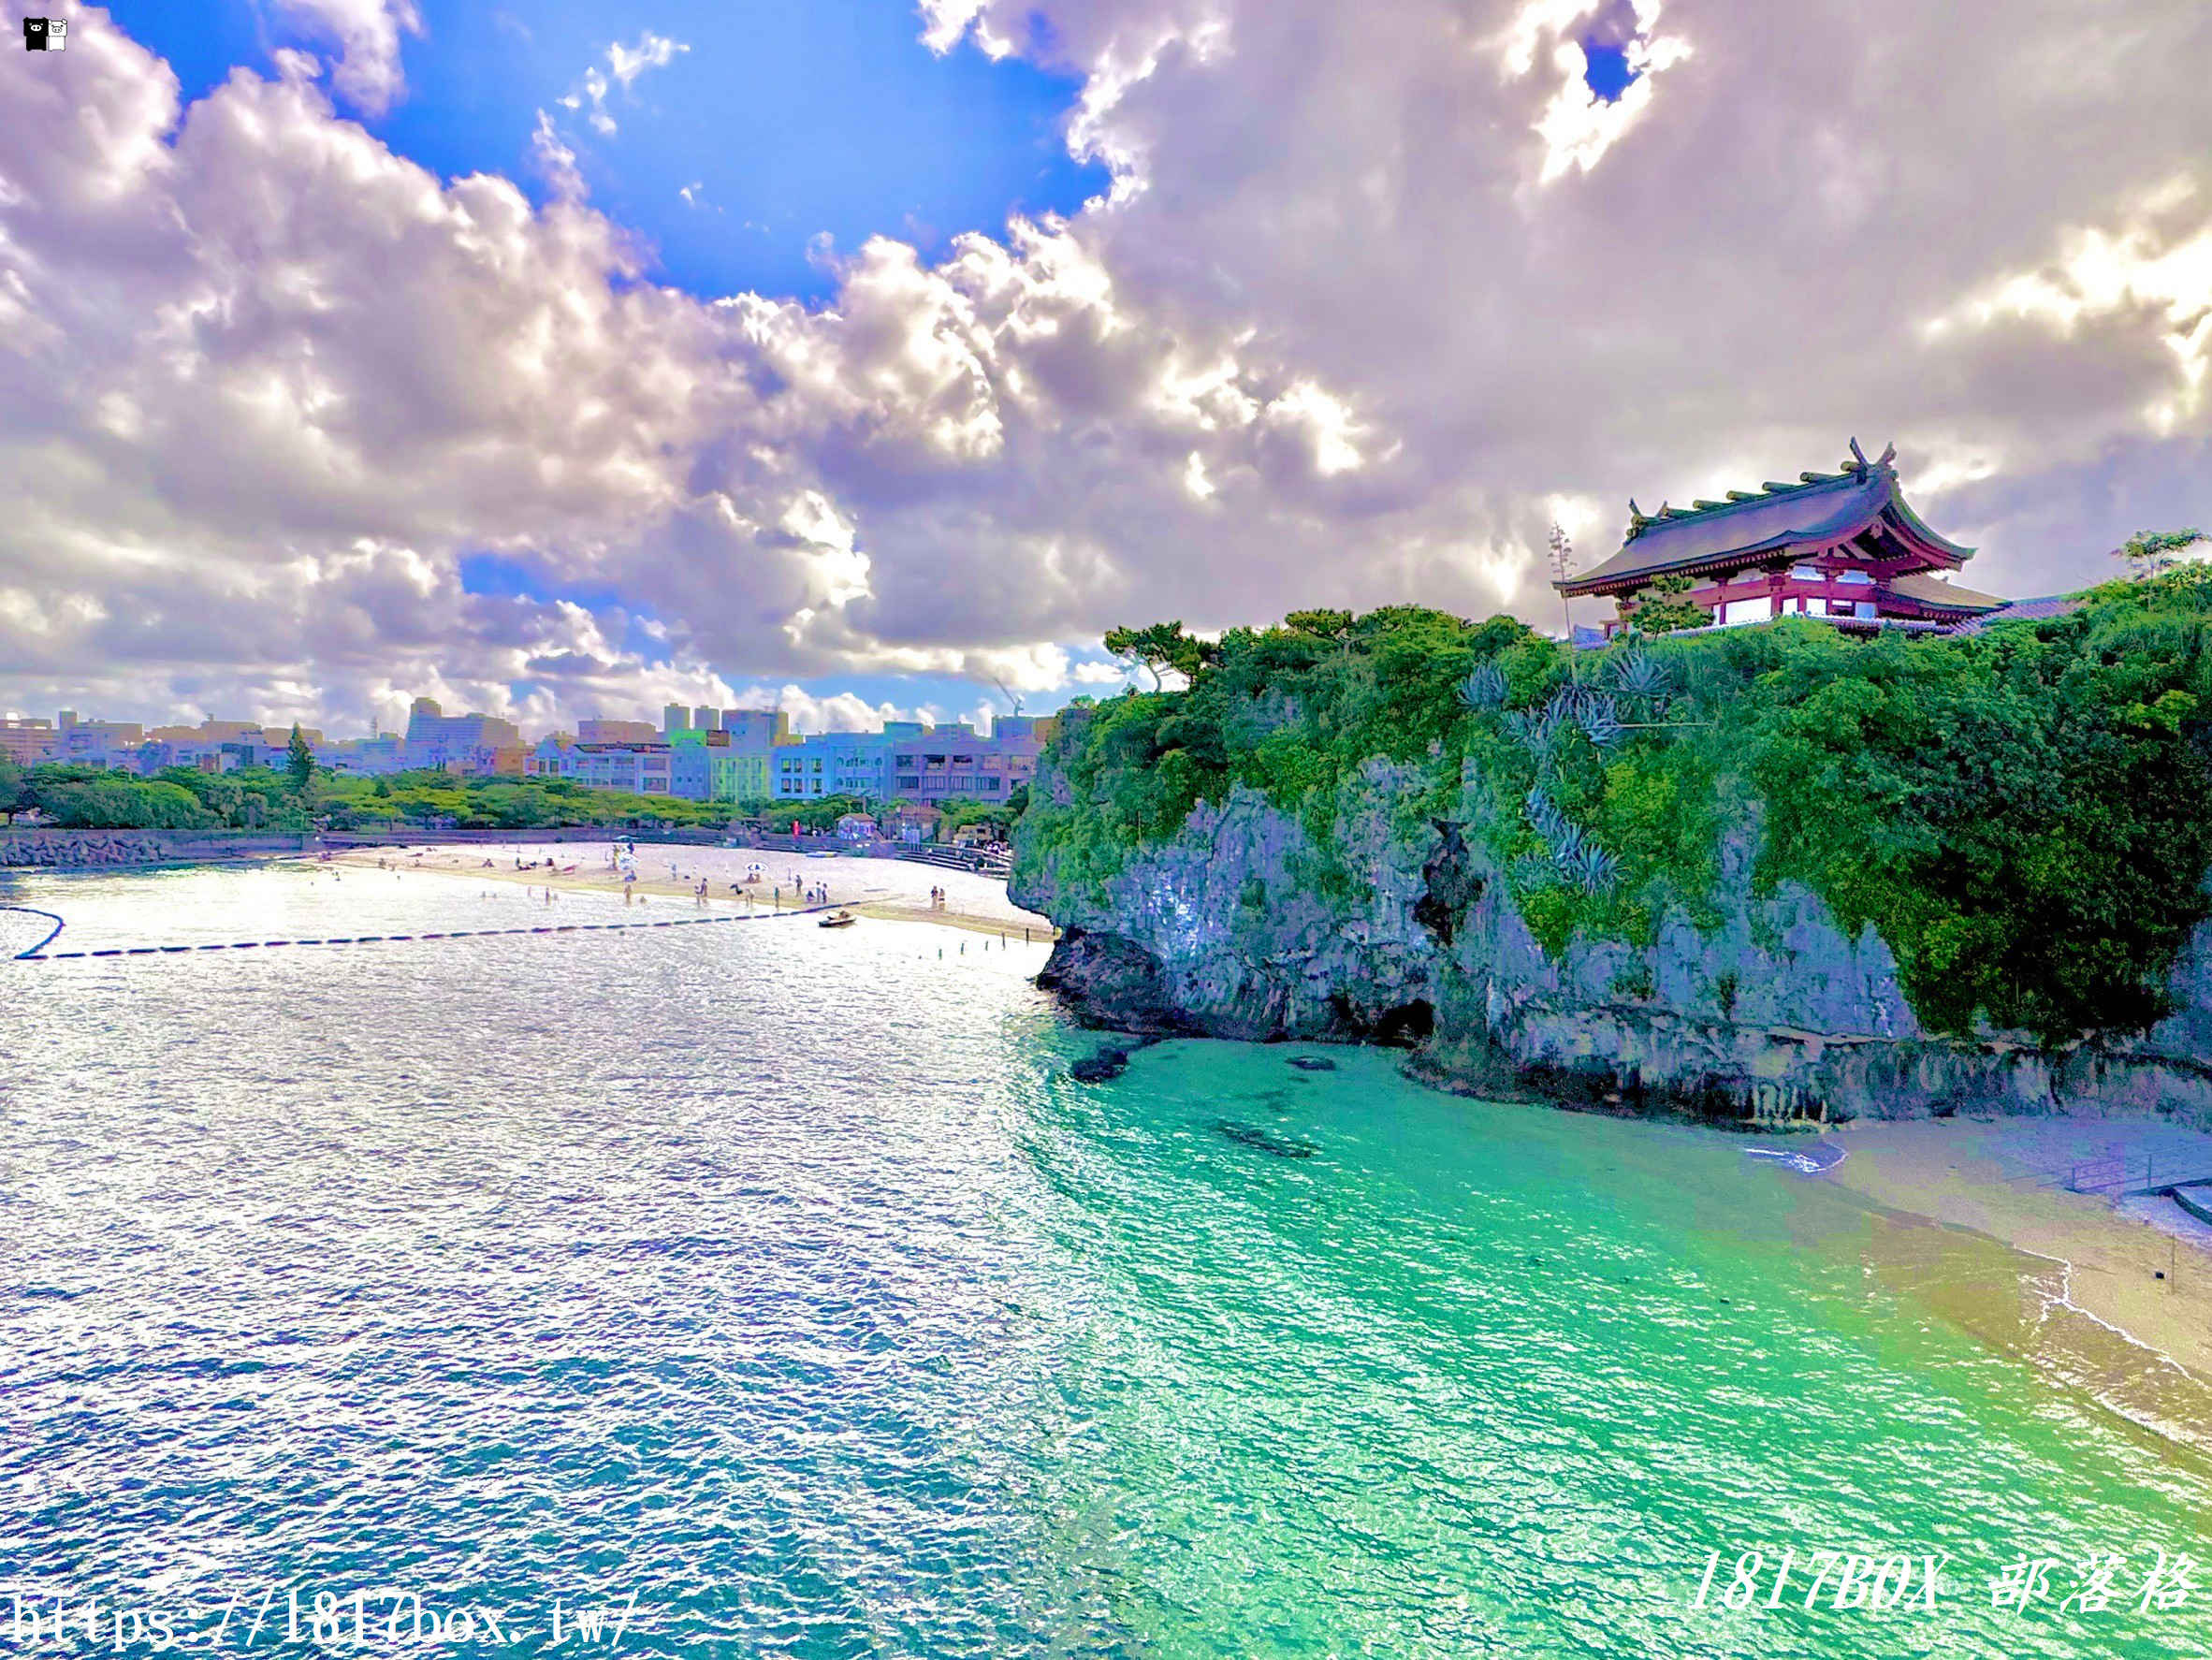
{"points": [[1859, 460], [1889, 455]]}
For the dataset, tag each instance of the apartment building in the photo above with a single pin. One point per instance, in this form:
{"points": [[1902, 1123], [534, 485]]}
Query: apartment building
{"points": [[27, 740], [461, 743]]}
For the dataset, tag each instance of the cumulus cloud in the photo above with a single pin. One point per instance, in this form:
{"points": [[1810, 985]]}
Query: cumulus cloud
{"points": [[367, 34], [1345, 330]]}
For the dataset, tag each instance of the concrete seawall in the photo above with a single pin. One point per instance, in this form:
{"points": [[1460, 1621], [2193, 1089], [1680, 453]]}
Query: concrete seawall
{"points": [[108, 849]]}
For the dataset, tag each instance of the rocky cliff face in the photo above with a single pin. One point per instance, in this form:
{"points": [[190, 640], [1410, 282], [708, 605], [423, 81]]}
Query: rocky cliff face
{"points": [[1224, 931]]}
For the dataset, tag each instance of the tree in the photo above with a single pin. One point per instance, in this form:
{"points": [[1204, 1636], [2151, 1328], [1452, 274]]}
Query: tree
{"points": [[1161, 645], [300, 761], [15, 794], [1664, 609], [2152, 553], [1328, 625]]}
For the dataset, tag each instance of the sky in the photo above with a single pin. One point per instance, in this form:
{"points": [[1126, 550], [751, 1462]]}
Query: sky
{"points": [[873, 359]]}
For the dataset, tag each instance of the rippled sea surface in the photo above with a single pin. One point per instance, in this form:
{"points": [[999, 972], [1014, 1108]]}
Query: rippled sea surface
{"points": [[777, 1287]]}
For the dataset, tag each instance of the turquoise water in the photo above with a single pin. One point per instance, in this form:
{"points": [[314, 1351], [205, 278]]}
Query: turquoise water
{"points": [[781, 1281]]}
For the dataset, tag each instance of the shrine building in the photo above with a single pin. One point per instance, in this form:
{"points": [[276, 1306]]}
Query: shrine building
{"points": [[1842, 547]]}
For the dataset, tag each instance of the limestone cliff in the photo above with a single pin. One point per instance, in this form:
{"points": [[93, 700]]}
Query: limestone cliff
{"points": [[1223, 930]]}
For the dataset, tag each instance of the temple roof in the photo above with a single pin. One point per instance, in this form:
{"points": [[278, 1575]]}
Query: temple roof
{"points": [[1930, 589], [2039, 609], [1819, 507]]}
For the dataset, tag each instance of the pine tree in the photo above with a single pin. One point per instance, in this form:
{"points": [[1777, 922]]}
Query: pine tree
{"points": [[300, 761]]}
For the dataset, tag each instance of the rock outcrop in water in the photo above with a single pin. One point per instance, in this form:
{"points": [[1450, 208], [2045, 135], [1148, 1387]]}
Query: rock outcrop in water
{"points": [[1776, 1011]]}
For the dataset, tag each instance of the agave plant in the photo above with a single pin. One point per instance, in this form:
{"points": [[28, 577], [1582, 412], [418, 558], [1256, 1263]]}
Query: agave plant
{"points": [[1534, 730], [1544, 816], [1601, 722], [1642, 677], [1591, 869], [1485, 688], [1568, 847]]}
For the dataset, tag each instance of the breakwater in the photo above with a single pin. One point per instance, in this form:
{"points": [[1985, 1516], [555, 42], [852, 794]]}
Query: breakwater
{"points": [[51, 849]]}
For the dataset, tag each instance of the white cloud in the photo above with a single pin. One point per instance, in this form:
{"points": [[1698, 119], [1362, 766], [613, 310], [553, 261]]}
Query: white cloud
{"points": [[2156, 264], [367, 34], [652, 51], [841, 712], [263, 385], [626, 64], [1578, 126]]}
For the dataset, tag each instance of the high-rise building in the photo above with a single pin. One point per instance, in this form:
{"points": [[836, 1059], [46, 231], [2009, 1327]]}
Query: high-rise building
{"points": [[675, 718], [755, 732], [464, 743], [598, 730], [706, 720]]}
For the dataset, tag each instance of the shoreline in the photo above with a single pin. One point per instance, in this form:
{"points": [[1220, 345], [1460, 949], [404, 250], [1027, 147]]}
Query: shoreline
{"points": [[2135, 1268], [849, 888], [1962, 1216]]}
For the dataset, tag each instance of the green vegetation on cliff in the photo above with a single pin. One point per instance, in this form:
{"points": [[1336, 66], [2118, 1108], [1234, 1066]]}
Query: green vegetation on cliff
{"points": [[2025, 814]]}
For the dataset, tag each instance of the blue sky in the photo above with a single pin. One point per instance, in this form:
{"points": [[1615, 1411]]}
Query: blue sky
{"points": [[787, 122]]}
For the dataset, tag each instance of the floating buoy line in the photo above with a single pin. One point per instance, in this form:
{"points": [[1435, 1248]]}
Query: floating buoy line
{"points": [[38, 954]]}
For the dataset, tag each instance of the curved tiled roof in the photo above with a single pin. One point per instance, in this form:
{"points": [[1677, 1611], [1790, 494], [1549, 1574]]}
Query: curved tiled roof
{"points": [[1820, 507], [1930, 589], [2039, 609]]}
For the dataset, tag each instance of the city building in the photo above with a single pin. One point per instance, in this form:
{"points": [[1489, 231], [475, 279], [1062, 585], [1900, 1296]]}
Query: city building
{"points": [[362, 757], [100, 743], [643, 770], [760, 728], [675, 718], [828, 763], [948, 764], [691, 760], [555, 755], [706, 720], [27, 740], [596, 731], [1840, 547], [736, 774], [212, 746], [471, 743]]}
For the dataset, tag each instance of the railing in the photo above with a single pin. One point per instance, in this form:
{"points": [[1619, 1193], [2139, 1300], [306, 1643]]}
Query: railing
{"points": [[2121, 1177]]}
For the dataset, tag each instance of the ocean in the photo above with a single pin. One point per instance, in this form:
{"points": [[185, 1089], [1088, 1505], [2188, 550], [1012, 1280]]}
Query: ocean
{"points": [[754, 1289]]}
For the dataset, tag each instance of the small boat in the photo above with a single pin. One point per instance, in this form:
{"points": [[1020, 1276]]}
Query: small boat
{"points": [[841, 919]]}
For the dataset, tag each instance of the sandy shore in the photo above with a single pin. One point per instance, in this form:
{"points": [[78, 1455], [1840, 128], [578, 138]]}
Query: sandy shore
{"points": [[2137, 1271], [894, 890]]}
